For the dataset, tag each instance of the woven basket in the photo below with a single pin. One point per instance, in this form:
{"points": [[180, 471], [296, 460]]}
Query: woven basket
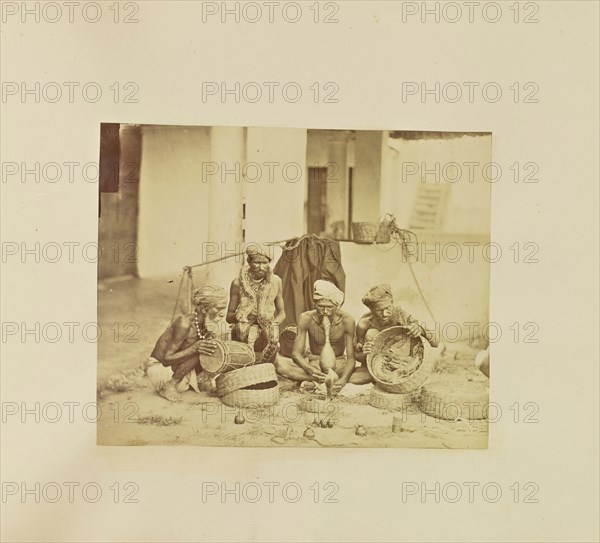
{"points": [[364, 232], [245, 377], [249, 397], [384, 233], [390, 401], [371, 232], [442, 401], [391, 338]]}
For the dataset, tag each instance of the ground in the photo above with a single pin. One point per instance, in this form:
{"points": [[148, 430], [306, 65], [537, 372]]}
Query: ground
{"points": [[132, 413]]}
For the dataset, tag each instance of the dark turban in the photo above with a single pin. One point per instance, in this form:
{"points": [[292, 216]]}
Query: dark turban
{"points": [[377, 294], [256, 250]]}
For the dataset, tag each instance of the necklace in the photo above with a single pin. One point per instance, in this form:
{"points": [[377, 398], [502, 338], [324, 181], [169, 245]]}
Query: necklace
{"points": [[256, 285], [197, 325]]}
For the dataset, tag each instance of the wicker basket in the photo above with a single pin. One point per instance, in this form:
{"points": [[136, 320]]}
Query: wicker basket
{"points": [[371, 232], [384, 233], [390, 401], [248, 397], [391, 338], [245, 377], [442, 400], [364, 232]]}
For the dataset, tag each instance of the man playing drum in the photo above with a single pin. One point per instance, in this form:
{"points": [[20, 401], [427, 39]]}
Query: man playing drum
{"points": [[305, 366], [383, 315], [256, 305], [176, 356]]}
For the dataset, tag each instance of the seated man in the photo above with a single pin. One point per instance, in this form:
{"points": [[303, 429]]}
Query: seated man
{"points": [[187, 337], [256, 305], [305, 366], [383, 314]]}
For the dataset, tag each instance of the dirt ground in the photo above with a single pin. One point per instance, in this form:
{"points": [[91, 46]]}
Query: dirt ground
{"points": [[132, 313], [132, 413]]}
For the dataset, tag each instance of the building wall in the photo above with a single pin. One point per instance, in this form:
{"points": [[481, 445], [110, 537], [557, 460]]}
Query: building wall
{"points": [[469, 205], [457, 289], [174, 212], [173, 200], [367, 176], [275, 203], [117, 224]]}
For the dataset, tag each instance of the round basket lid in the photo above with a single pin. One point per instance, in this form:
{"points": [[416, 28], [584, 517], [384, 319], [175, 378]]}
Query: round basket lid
{"points": [[212, 363]]}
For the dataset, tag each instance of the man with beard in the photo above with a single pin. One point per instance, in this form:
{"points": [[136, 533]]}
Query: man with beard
{"points": [[306, 366], [256, 305], [383, 315], [175, 362]]}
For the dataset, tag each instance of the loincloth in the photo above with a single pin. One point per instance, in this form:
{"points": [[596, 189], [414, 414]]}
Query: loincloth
{"points": [[160, 375]]}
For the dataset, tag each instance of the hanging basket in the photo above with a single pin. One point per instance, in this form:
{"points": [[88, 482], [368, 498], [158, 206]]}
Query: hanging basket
{"points": [[364, 232], [371, 232], [384, 233]]}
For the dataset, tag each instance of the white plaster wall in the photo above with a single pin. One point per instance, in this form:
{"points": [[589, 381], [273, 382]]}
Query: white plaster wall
{"points": [[173, 201], [275, 207], [469, 204]]}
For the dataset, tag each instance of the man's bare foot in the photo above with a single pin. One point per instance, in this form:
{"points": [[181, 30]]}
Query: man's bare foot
{"points": [[169, 392]]}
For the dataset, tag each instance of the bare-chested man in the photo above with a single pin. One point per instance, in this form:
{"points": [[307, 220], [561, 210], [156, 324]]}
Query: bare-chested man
{"points": [[305, 366], [187, 338], [383, 315], [256, 305]]}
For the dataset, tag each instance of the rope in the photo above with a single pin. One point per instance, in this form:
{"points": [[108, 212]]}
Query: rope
{"points": [[234, 254], [400, 236], [186, 270], [403, 238]]}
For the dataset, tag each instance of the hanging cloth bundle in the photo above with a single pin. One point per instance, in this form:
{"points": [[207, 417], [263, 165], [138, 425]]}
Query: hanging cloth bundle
{"points": [[183, 302], [304, 260]]}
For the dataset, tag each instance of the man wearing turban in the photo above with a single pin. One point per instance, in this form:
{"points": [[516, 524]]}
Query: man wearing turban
{"points": [[256, 304], [306, 366], [188, 337], [383, 314]]}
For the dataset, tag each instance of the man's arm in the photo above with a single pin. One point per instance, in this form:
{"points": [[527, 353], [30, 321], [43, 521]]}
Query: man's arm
{"points": [[350, 360], [170, 341], [234, 293], [279, 308], [298, 348], [361, 331], [419, 330]]}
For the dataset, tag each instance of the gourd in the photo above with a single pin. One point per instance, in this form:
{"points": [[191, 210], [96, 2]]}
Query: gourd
{"points": [[327, 359]]}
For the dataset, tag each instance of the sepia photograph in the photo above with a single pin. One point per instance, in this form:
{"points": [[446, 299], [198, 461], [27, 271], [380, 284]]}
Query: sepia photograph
{"points": [[259, 258], [269, 287]]}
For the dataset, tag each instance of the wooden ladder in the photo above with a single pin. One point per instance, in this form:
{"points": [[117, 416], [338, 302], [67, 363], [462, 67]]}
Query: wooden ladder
{"points": [[430, 207]]}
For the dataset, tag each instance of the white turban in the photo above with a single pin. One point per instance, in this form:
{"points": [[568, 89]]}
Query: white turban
{"points": [[209, 295], [324, 290]]}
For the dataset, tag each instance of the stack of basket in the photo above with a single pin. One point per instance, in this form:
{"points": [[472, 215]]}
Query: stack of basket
{"points": [[249, 386], [404, 390]]}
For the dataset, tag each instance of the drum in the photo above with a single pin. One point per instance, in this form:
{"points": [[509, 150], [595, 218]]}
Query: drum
{"points": [[229, 355]]}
